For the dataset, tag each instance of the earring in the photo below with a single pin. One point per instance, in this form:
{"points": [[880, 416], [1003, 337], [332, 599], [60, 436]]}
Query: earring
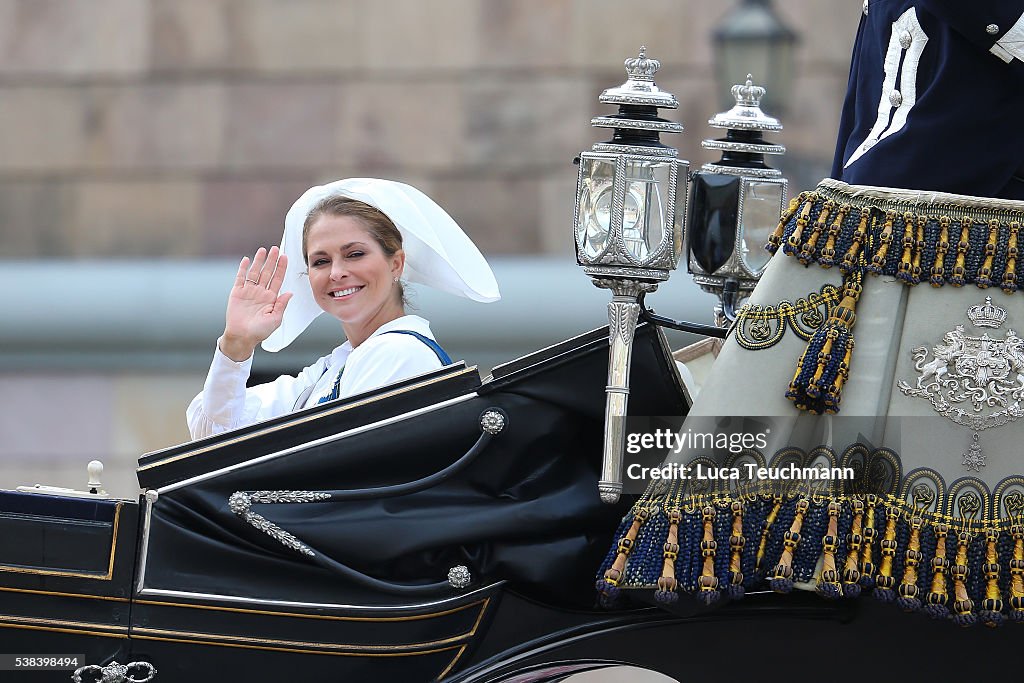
{"points": [[396, 278]]}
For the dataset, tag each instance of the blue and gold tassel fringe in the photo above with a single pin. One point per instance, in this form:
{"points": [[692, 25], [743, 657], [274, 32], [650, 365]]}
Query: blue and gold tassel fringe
{"points": [[716, 546]]}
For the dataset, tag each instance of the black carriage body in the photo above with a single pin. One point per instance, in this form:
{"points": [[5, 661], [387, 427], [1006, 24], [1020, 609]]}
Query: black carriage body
{"points": [[184, 582]]}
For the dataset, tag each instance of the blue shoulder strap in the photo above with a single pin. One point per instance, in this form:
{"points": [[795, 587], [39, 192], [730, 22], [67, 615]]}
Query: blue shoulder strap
{"points": [[434, 346], [336, 390]]}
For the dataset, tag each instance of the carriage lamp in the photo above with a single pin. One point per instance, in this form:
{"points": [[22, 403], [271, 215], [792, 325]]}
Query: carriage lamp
{"points": [[752, 32], [629, 208], [735, 204]]}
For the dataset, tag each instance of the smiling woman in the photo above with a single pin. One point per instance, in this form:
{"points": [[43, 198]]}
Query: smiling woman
{"points": [[357, 238], [355, 259]]}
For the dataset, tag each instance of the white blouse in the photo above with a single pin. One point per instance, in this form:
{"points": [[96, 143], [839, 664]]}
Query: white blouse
{"points": [[225, 403]]}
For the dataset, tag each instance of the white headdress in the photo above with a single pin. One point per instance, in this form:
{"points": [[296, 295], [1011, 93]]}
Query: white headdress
{"points": [[437, 252]]}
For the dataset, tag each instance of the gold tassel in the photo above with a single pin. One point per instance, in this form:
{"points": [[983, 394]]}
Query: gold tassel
{"points": [[991, 611], [984, 278], [736, 543], [959, 272], [806, 254], [851, 571], [859, 235], [827, 255], [867, 569], [844, 373], [962, 605], [908, 591], [775, 240], [769, 520], [708, 582], [1017, 572], [938, 277], [782, 576], [667, 583], [938, 596], [903, 270], [609, 586], [801, 224], [885, 581], [915, 268], [1010, 274], [885, 239], [828, 582]]}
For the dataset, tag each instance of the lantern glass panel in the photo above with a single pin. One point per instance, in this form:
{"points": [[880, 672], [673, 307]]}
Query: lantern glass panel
{"points": [[762, 204], [595, 197], [644, 209]]}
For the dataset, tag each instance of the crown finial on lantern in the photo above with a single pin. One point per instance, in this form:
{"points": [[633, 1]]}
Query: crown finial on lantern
{"points": [[640, 89], [747, 113], [748, 94], [641, 68]]}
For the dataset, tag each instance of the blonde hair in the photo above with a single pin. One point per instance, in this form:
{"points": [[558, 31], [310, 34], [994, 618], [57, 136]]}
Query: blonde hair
{"points": [[374, 220]]}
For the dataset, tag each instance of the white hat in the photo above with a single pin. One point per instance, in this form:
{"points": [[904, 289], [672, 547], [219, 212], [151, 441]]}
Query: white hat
{"points": [[437, 252]]}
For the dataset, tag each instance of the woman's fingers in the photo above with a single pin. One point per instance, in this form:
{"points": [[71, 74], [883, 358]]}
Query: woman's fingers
{"points": [[243, 268], [277, 279], [259, 260]]}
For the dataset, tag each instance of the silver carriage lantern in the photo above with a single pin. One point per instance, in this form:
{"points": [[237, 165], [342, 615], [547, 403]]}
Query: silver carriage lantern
{"points": [[629, 210], [735, 204]]}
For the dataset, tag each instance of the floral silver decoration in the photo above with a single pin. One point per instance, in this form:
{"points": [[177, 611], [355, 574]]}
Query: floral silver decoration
{"points": [[492, 422], [974, 458], [115, 673], [241, 503], [459, 576]]}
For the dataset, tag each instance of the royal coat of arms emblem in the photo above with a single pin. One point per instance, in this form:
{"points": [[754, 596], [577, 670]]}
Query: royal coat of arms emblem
{"points": [[973, 381]]}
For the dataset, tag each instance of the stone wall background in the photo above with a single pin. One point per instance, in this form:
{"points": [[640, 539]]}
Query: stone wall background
{"points": [[184, 129]]}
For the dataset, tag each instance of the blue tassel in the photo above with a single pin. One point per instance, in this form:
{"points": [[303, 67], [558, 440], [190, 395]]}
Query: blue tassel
{"points": [[607, 590], [991, 618], [708, 597], [824, 365], [966, 619], [936, 610], [908, 604], [830, 591]]}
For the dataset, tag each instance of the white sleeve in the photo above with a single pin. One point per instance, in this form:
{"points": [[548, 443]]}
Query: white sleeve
{"points": [[384, 359], [225, 403]]}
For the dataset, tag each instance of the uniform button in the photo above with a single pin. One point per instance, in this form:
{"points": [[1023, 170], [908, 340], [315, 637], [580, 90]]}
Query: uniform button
{"points": [[895, 98], [906, 39], [992, 29], [865, 8]]}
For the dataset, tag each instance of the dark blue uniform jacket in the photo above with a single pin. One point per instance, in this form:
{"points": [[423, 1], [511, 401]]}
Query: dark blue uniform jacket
{"points": [[936, 98]]}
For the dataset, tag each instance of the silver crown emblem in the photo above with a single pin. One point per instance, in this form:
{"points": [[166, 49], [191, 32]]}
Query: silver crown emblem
{"points": [[748, 94], [987, 314], [641, 68]]}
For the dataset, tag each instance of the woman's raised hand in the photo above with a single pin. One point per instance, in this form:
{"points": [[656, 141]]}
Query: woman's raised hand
{"points": [[255, 305]]}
